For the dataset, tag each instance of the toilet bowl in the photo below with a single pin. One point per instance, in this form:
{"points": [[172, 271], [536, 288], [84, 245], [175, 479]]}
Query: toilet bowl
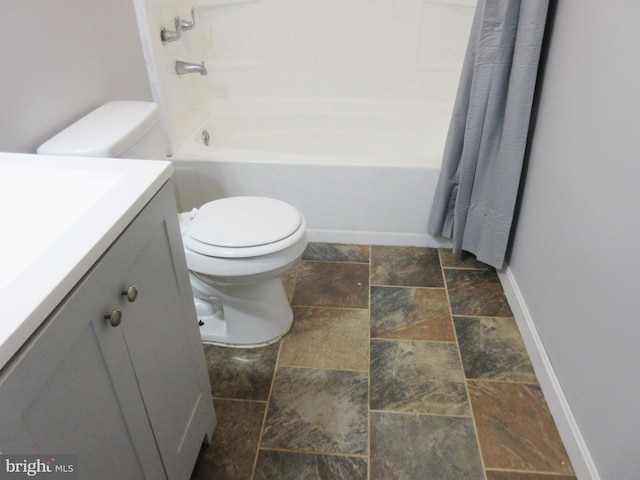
{"points": [[237, 250]]}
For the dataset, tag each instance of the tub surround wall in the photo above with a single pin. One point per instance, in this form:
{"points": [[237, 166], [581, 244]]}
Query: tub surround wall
{"points": [[60, 60], [394, 49], [408, 50], [183, 99], [574, 263]]}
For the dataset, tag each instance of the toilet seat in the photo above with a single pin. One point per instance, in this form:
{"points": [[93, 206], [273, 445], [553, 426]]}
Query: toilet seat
{"points": [[242, 227]]}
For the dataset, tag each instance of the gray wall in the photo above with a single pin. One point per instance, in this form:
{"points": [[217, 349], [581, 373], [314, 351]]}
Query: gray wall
{"points": [[61, 59], [576, 255]]}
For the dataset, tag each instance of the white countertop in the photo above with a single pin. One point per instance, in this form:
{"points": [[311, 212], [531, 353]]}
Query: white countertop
{"points": [[58, 215]]}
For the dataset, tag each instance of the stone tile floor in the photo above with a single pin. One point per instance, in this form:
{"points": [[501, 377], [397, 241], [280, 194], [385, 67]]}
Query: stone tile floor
{"points": [[402, 363]]}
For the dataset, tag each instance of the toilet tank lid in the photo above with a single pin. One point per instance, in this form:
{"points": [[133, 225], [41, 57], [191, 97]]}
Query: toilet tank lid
{"points": [[105, 132]]}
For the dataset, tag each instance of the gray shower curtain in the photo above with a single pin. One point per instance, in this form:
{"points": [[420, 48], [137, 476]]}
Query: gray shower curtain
{"points": [[478, 185]]}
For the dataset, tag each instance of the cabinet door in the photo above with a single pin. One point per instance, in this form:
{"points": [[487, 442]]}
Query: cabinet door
{"points": [[72, 390], [163, 339]]}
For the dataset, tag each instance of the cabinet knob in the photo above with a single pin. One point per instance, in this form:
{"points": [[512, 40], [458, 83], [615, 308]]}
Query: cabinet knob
{"points": [[115, 317], [131, 293]]}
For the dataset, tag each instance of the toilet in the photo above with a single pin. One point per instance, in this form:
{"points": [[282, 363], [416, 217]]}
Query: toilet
{"points": [[237, 248]]}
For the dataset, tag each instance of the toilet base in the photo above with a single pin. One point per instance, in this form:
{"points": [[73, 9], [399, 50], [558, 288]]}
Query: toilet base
{"points": [[244, 316]]}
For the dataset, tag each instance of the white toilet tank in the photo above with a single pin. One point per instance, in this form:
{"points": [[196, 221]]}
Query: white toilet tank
{"points": [[127, 129]]}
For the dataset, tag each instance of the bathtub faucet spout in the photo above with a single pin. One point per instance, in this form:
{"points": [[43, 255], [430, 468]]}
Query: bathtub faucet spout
{"points": [[186, 67]]}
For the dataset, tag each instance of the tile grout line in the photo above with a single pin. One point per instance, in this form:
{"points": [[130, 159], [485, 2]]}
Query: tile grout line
{"points": [[266, 410], [535, 472], [326, 307], [273, 379], [305, 367], [406, 286], [315, 260], [240, 400], [492, 380], [480, 316], [314, 452], [466, 385], [369, 373], [420, 414], [385, 339]]}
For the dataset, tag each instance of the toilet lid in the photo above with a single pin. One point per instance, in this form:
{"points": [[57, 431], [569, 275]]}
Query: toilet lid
{"points": [[222, 226]]}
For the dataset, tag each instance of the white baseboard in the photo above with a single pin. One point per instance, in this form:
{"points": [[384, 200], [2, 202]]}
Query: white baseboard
{"points": [[577, 450]]}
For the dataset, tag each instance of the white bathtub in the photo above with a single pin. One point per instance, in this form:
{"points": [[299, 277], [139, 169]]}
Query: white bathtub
{"points": [[361, 172]]}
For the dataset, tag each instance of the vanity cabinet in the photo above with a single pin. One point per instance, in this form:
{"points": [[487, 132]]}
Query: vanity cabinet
{"points": [[116, 374]]}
